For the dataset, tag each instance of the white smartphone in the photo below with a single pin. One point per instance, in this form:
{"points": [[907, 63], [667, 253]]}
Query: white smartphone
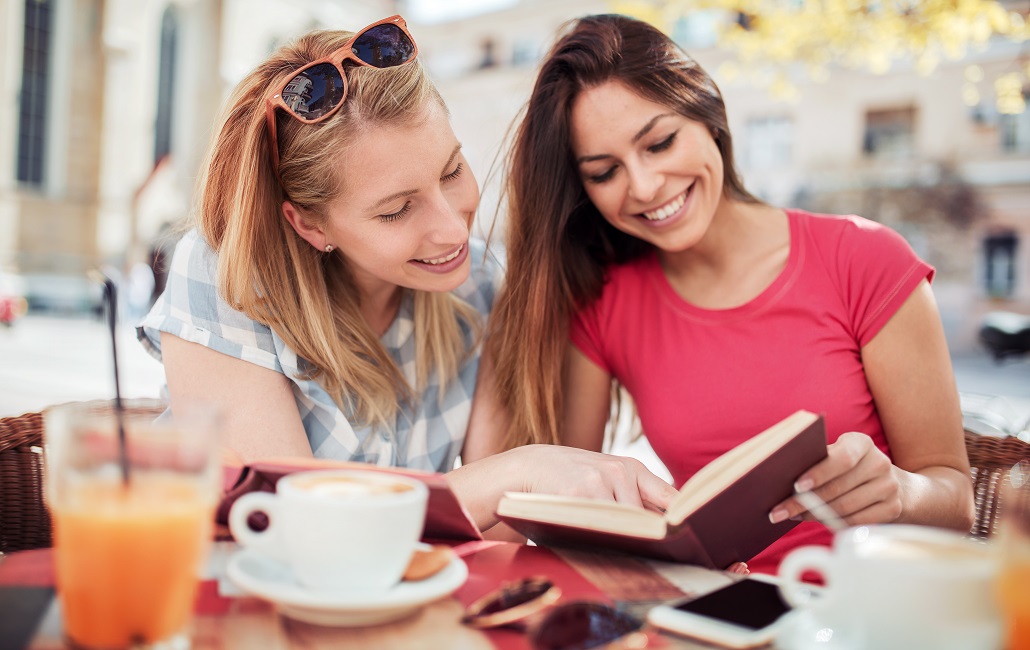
{"points": [[743, 614]]}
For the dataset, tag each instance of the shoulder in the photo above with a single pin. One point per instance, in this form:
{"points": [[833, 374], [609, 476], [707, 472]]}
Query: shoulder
{"points": [[625, 285], [847, 232]]}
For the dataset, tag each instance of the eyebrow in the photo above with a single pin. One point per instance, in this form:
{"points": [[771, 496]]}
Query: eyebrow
{"points": [[636, 138], [406, 193]]}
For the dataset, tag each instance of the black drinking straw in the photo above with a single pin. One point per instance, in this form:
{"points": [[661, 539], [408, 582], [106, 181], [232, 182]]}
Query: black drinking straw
{"points": [[111, 302]]}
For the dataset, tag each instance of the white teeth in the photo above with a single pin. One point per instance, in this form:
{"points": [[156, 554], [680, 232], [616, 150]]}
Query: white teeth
{"points": [[441, 260], [668, 209]]}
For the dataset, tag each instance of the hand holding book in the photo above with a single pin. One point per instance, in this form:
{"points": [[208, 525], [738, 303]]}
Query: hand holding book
{"points": [[720, 516]]}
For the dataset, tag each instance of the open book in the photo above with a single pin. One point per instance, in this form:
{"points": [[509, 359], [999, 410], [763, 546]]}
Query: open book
{"points": [[720, 516]]}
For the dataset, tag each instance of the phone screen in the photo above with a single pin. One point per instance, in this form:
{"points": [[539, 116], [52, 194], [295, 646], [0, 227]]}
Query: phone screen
{"points": [[752, 604]]}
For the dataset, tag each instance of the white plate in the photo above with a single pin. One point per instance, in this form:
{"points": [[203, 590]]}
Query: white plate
{"points": [[273, 581], [800, 630]]}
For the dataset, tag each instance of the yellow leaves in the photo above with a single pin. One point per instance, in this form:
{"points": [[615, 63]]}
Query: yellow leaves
{"points": [[1009, 92], [872, 35]]}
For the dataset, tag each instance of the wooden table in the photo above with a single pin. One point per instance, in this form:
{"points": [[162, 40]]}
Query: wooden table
{"points": [[239, 621]]}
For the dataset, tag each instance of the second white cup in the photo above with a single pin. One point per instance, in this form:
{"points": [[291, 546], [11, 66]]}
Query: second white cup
{"points": [[896, 586], [343, 530]]}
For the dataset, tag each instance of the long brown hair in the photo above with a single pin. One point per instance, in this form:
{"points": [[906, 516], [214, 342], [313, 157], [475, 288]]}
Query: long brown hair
{"points": [[558, 244], [267, 271]]}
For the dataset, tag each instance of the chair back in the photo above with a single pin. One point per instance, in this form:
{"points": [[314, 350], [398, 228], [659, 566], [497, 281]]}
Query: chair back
{"points": [[990, 458], [24, 520]]}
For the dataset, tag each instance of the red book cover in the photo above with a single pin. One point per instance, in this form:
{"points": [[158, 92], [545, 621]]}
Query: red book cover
{"points": [[446, 517]]}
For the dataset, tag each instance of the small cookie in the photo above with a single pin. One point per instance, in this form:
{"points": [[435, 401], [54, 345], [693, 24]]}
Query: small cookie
{"points": [[426, 562]]}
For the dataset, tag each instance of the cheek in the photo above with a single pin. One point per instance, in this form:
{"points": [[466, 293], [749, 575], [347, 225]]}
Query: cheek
{"points": [[605, 198]]}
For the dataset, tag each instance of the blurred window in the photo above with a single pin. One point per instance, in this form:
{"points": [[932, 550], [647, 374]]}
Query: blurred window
{"points": [[166, 84], [488, 53], [35, 81], [1015, 129], [1000, 264], [525, 52], [698, 29], [768, 142], [890, 133]]}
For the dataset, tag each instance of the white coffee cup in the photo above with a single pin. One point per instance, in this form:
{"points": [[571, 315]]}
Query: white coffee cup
{"points": [[895, 586], [343, 530]]}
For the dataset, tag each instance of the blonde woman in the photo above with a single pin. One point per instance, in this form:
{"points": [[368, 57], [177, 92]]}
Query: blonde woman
{"points": [[330, 297]]}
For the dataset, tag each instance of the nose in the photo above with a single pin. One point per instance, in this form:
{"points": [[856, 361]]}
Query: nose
{"points": [[448, 224], [644, 183]]}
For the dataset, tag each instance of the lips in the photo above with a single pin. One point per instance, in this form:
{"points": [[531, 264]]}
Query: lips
{"points": [[444, 263], [672, 207], [443, 260]]}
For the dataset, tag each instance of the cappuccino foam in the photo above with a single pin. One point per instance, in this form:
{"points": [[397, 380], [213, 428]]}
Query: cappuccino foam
{"points": [[888, 548], [347, 487]]}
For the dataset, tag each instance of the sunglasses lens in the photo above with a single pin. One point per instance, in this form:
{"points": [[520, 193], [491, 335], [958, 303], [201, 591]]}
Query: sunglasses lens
{"points": [[579, 626], [314, 92], [383, 46], [519, 594]]}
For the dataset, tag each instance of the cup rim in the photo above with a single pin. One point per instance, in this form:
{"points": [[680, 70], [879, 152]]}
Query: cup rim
{"points": [[977, 556]]}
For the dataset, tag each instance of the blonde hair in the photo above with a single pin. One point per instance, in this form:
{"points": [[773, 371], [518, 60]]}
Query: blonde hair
{"points": [[267, 271]]}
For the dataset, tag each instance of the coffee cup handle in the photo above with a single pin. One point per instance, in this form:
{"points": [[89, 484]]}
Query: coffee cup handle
{"points": [[242, 509], [816, 559]]}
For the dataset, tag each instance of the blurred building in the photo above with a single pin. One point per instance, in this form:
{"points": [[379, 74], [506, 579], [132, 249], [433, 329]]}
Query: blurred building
{"points": [[111, 104]]}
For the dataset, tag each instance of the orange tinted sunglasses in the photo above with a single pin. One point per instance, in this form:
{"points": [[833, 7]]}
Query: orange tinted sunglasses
{"points": [[317, 90]]}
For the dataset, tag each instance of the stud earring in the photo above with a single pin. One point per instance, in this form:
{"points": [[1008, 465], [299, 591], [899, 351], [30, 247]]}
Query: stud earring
{"points": [[329, 248]]}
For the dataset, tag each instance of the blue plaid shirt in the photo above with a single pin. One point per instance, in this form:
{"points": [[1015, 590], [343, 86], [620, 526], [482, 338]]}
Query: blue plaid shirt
{"points": [[427, 436]]}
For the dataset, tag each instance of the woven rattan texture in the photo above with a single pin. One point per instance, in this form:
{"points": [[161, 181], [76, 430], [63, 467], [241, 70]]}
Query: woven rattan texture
{"points": [[989, 459], [24, 520]]}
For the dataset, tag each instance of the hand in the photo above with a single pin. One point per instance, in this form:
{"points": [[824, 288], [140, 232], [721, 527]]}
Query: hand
{"points": [[552, 469], [856, 479], [739, 568], [576, 472]]}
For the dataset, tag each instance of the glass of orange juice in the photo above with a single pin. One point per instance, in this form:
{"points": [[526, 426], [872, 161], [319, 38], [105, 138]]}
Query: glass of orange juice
{"points": [[1014, 543], [132, 529]]}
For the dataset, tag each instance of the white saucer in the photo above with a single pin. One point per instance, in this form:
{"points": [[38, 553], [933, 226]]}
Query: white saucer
{"points": [[273, 581], [800, 630]]}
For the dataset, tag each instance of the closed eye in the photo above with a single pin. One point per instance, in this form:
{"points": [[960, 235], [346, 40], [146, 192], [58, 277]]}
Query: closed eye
{"points": [[602, 178], [664, 144], [446, 178], [394, 216]]}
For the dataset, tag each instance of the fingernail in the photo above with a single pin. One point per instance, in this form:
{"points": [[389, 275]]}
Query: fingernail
{"points": [[804, 485], [778, 515]]}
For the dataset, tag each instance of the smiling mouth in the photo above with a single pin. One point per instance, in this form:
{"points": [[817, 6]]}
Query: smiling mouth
{"points": [[445, 259], [670, 208]]}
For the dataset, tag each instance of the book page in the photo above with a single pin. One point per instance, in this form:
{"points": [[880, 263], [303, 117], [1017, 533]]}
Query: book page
{"points": [[714, 477], [592, 514]]}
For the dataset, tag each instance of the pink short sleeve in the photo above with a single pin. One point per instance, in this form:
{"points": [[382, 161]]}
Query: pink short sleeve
{"points": [[586, 333], [880, 271]]}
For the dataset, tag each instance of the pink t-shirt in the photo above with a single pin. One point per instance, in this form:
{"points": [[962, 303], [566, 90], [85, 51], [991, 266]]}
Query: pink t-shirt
{"points": [[706, 380]]}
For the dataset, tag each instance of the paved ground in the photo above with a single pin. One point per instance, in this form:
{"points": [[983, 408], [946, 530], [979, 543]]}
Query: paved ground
{"points": [[48, 359]]}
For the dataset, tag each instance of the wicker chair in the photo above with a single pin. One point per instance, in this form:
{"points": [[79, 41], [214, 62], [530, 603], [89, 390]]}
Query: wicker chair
{"points": [[24, 520], [989, 458]]}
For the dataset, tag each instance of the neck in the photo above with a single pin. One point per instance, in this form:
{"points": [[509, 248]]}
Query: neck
{"points": [[379, 304], [743, 250], [736, 231]]}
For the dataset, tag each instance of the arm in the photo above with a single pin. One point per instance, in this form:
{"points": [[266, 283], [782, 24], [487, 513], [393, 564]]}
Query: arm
{"points": [[587, 390], [260, 417], [910, 377], [486, 474]]}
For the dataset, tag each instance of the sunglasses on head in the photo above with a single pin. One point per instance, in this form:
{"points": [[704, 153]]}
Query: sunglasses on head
{"points": [[317, 90], [576, 625]]}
